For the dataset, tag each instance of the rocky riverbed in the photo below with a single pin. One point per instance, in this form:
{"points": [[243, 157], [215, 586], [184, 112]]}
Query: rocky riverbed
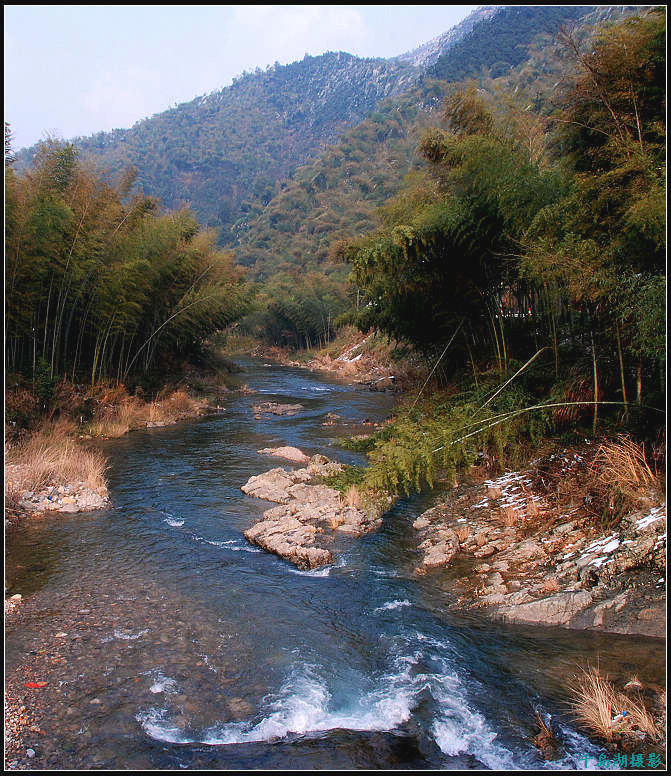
{"points": [[310, 514], [72, 497], [509, 547]]}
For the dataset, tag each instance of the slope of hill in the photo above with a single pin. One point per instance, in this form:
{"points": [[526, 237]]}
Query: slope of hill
{"points": [[216, 150], [500, 41], [230, 154], [335, 196], [428, 53]]}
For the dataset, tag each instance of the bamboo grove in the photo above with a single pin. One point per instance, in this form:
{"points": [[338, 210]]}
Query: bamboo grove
{"points": [[98, 282], [538, 230]]}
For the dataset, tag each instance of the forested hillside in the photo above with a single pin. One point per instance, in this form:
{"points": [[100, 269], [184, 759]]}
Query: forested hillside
{"points": [[287, 243], [290, 162], [241, 142], [219, 149], [500, 42]]}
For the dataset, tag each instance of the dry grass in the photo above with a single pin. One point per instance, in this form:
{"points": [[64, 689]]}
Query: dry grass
{"points": [[510, 517], [532, 508], [118, 421], [175, 407], [550, 586], [352, 497], [52, 457], [115, 420], [621, 465], [598, 706], [595, 703], [546, 740]]}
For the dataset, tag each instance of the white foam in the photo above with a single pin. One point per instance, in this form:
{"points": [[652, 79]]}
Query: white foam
{"points": [[304, 705], [462, 730], [387, 573], [391, 605], [232, 545], [163, 684], [175, 523], [581, 753], [157, 727]]}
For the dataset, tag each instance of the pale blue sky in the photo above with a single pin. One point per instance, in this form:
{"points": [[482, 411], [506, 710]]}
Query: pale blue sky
{"points": [[75, 70]]}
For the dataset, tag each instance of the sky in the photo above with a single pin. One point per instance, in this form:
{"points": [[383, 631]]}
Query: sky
{"points": [[76, 70]]}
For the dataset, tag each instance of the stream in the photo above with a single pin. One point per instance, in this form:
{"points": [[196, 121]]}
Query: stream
{"points": [[168, 641]]}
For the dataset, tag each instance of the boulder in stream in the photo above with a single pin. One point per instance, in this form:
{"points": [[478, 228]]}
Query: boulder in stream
{"points": [[273, 408], [292, 454], [306, 513]]}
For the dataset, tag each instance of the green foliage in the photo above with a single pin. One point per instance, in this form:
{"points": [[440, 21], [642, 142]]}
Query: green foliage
{"points": [[359, 444], [602, 244], [641, 307], [343, 480], [334, 197], [530, 234], [502, 40], [45, 384], [446, 434], [437, 262], [103, 287], [236, 144]]}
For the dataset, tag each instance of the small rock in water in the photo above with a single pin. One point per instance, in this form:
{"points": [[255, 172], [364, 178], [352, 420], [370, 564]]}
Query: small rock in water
{"points": [[30, 753], [289, 453]]}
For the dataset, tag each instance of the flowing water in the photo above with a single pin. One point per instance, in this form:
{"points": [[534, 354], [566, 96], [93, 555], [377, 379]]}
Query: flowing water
{"points": [[168, 641]]}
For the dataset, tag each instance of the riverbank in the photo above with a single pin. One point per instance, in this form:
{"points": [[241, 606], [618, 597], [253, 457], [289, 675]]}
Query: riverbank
{"points": [[533, 546], [51, 464], [362, 359]]}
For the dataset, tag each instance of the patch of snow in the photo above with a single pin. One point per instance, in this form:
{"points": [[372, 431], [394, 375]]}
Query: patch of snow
{"points": [[656, 513]]}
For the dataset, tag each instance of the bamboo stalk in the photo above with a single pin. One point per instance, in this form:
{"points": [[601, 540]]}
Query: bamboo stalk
{"points": [[624, 386]]}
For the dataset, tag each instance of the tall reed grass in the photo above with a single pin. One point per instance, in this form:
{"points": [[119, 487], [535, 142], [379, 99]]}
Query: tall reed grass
{"points": [[52, 456], [598, 706]]}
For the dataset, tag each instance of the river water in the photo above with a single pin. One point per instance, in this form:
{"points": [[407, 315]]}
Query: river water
{"points": [[168, 641]]}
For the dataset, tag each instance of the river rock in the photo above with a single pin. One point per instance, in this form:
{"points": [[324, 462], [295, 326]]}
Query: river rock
{"points": [[557, 609], [274, 485], [273, 408], [529, 550], [291, 539], [486, 551], [288, 453], [305, 511], [421, 523], [441, 554], [240, 708]]}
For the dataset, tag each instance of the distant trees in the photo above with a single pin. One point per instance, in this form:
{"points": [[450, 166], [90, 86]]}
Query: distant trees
{"points": [[218, 150], [501, 42], [295, 310], [103, 285]]}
